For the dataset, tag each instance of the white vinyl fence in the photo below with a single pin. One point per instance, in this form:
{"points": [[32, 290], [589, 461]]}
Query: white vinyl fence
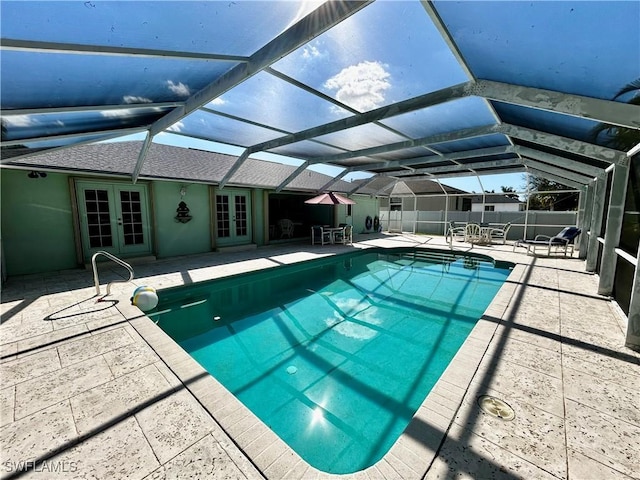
{"points": [[434, 223]]}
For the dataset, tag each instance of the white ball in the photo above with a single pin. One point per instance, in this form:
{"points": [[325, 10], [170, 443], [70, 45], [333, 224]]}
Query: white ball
{"points": [[145, 298]]}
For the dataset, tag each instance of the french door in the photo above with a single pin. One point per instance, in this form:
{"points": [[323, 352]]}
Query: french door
{"points": [[233, 217], [113, 218]]}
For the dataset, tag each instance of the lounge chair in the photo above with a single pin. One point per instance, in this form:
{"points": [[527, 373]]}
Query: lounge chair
{"points": [[318, 235], [499, 233], [562, 242]]}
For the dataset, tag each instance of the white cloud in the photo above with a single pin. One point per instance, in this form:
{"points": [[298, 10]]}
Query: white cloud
{"points": [[361, 86], [134, 99], [310, 51], [179, 88], [217, 101], [176, 127]]}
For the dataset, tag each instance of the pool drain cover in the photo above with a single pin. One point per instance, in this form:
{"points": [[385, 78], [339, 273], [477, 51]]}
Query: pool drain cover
{"points": [[496, 407]]}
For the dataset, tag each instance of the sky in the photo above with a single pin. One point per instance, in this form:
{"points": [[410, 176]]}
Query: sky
{"points": [[387, 52]]}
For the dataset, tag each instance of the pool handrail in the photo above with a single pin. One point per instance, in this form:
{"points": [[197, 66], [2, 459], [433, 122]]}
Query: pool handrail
{"points": [[114, 259]]}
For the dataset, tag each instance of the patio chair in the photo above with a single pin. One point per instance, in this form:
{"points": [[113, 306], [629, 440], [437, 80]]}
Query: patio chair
{"points": [[472, 233], [500, 233], [344, 236], [455, 231], [286, 228], [563, 242], [318, 235]]}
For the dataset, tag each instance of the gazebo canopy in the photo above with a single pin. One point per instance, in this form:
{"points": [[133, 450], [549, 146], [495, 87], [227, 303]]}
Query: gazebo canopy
{"points": [[399, 89]]}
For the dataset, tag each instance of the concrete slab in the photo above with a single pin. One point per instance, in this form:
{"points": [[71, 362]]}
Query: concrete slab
{"points": [[97, 389]]}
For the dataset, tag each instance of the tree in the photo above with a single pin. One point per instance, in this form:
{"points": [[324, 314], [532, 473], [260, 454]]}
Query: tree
{"points": [[547, 200], [616, 137], [509, 192]]}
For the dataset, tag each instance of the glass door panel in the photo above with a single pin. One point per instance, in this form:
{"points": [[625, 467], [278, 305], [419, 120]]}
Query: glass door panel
{"points": [[98, 218], [233, 217], [241, 215], [133, 224], [223, 218], [113, 218]]}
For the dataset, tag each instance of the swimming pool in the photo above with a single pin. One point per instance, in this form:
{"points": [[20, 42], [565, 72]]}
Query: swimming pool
{"points": [[334, 355]]}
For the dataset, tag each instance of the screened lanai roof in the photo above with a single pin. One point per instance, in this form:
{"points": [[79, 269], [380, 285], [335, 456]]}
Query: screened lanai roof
{"points": [[399, 89]]}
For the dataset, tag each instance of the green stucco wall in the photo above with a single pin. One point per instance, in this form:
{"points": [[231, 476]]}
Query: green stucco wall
{"points": [[37, 220], [365, 206], [174, 238], [258, 216], [37, 224]]}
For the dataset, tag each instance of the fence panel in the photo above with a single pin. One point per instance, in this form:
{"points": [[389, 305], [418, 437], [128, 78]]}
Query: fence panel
{"points": [[432, 222]]}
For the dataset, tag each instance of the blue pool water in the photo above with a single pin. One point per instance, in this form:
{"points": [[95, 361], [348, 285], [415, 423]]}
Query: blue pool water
{"points": [[334, 356]]}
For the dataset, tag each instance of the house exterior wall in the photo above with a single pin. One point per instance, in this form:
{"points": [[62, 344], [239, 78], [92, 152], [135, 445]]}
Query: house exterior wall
{"points": [[365, 207], [172, 237], [433, 203], [498, 207], [37, 223]]}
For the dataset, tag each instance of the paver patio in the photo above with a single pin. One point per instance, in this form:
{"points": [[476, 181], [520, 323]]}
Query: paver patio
{"points": [[95, 390]]}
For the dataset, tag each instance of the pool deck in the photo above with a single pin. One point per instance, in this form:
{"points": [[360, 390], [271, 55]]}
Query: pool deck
{"points": [[96, 390]]}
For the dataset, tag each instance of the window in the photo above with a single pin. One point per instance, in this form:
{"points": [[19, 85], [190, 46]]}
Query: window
{"points": [[489, 208]]}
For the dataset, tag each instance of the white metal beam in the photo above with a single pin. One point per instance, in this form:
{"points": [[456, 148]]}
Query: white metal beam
{"points": [[141, 157], [388, 111], [317, 22], [83, 49], [613, 228], [107, 133], [362, 184], [293, 175], [597, 215], [394, 147], [585, 149], [607, 111], [333, 180], [509, 162], [518, 168], [559, 161], [560, 172], [234, 168], [87, 108], [478, 153], [555, 178]]}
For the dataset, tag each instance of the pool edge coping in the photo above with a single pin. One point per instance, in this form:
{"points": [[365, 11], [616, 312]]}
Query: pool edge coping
{"points": [[411, 455]]}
